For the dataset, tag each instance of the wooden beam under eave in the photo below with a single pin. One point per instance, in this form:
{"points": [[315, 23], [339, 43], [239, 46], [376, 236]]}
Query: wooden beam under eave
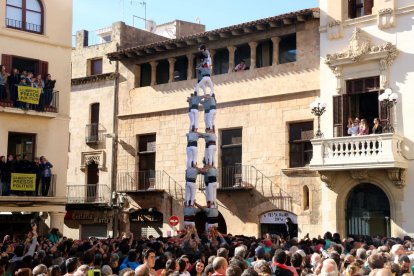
{"points": [[300, 18], [202, 39], [159, 48], [225, 35], [181, 44], [261, 27], [287, 21], [191, 42], [248, 30], [274, 24], [237, 32], [213, 37], [140, 52], [130, 54], [170, 46], [149, 50]]}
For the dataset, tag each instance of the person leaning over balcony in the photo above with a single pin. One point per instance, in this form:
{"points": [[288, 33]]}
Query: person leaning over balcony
{"points": [[193, 102], [353, 127], [376, 128], [363, 127], [3, 81], [241, 66], [46, 175], [13, 81]]}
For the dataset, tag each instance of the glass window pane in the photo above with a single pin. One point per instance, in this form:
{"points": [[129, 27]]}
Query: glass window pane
{"points": [[17, 3], [33, 5], [13, 14], [33, 21]]}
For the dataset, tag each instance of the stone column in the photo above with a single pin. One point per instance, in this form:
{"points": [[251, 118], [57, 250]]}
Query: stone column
{"points": [[137, 75], [57, 221], [171, 62], [252, 46], [153, 72], [190, 58], [231, 50], [275, 41]]}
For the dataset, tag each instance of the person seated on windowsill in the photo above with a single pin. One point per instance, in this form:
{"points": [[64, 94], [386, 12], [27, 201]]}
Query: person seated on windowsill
{"points": [[363, 127], [353, 127], [377, 128], [241, 66]]}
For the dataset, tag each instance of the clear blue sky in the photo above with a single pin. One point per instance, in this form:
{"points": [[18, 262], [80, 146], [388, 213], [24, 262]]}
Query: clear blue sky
{"points": [[95, 14]]}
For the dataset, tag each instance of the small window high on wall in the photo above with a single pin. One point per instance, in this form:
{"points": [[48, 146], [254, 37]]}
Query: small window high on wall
{"points": [[25, 15], [358, 8]]}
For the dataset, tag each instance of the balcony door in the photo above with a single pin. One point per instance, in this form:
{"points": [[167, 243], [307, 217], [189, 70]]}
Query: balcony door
{"points": [[368, 211], [92, 178], [146, 162], [231, 157], [22, 144], [360, 100]]}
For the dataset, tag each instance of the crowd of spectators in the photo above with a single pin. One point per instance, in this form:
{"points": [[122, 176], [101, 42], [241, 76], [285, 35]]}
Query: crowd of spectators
{"points": [[189, 255], [41, 167], [10, 81]]}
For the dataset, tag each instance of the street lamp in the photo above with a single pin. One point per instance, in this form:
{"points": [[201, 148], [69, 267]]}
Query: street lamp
{"points": [[388, 99], [318, 108]]}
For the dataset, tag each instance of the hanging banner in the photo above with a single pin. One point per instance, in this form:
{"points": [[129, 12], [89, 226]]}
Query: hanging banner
{"points": [[277, 217], [23, 182], [29, 94]]}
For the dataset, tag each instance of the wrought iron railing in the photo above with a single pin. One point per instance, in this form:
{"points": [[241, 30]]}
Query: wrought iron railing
{"points": [[149, 180], [48, 101], [249, 177], [94, 133], [21, 25], [89, 193]]}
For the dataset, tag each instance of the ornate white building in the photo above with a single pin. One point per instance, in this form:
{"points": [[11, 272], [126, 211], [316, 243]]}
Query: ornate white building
{"points": [[366, 48]]}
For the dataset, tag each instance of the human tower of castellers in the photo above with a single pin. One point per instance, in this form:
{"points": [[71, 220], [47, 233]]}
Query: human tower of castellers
{"points": [[208, 100]]}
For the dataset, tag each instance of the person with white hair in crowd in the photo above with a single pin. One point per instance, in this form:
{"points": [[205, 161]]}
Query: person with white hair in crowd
{"points": [[329, 268]]}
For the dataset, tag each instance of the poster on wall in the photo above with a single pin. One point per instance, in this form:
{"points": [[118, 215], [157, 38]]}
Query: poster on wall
{"points": [[277, 217]]}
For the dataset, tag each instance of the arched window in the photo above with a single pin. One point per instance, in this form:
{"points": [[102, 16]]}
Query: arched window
{"points": [[305, 198], [25, 15]]}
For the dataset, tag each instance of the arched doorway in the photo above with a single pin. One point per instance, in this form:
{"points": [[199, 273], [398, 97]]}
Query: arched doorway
{"points": [[200, 222], [368, 211]]}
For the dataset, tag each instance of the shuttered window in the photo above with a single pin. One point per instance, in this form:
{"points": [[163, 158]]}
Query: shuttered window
{"points": [[300, 147]]}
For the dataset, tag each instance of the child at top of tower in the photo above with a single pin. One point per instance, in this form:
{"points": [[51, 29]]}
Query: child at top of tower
{"points": [[206, 56]]}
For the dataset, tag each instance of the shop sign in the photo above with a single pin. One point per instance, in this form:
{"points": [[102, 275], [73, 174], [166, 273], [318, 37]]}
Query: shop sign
{"points": [[88, 216], [146, 216], [277, 217]]}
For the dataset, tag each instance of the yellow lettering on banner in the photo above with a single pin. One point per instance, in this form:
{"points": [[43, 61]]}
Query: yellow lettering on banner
{"points": [[29, 94], [23, 182]]}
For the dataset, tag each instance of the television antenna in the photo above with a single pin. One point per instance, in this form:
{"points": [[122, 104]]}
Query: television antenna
{"points": [[134, 2]]}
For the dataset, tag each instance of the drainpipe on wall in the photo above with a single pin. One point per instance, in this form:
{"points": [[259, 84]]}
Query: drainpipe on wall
{"points": [[115, 149]]}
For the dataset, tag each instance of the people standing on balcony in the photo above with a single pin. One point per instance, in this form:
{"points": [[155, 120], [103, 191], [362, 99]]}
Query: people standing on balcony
{"points": [[211, 148], [353, 127], [48, 90], [190, 185], [193, 103], [3, 82], [39, 83], [210, 110], [46, 175], [376, 128], [37, 171], [363, 127], [13, 81]]}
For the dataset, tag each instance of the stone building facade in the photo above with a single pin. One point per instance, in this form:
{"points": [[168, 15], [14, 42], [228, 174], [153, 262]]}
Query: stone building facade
{"points": [[263, 123], [42, 45], [92, 207], [366, 50]]}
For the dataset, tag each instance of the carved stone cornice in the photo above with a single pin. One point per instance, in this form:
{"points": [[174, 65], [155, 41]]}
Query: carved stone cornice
{"points": [[359, 174], [360, 49], [94, 78], [397, 176], [329, 178]]}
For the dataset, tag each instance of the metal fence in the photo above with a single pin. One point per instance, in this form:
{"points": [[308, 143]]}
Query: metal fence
{"points": [[21, 25], [89, 193], [94, 133], [48, 102]]}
